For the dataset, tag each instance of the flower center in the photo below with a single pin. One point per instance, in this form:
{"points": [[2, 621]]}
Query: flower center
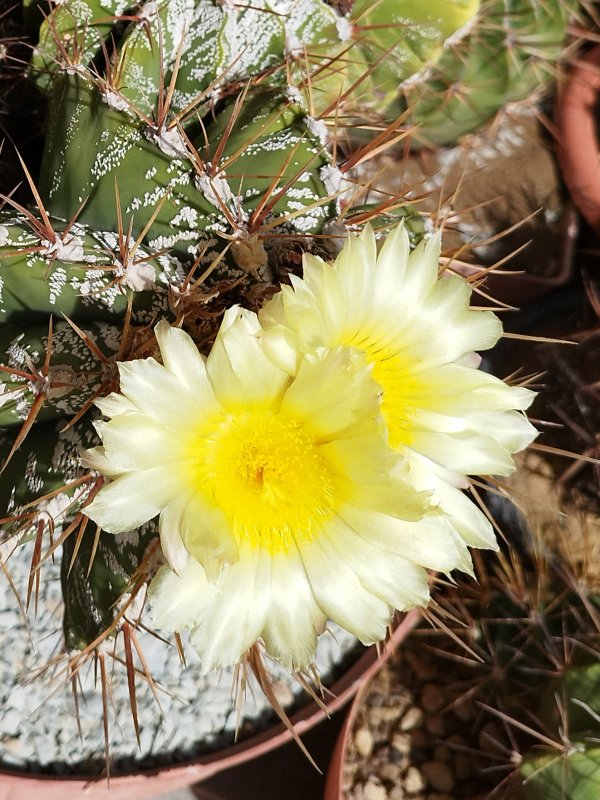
{"points": [[267, 475]]}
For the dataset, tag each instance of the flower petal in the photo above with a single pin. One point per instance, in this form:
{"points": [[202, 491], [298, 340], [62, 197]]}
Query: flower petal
{"points": [[132, 499], [176, 601], [115, 404], [430, 542], [133, 441], [171, 541], [397, 581], [339, 592], [181, 357], [470, 522], [231, 623], [158, 393], [294, 618], [206, 533], [95, 458], [347, 393], [238, 367]]}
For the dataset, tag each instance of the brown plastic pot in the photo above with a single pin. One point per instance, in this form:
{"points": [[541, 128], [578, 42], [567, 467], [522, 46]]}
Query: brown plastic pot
{"points": [[333, 785], [150, 783], [578, 142]]}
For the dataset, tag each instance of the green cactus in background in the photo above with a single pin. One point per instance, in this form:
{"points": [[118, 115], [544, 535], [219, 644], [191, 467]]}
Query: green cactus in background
{"points": [[570, 711], [189, 158], [509, 53]]}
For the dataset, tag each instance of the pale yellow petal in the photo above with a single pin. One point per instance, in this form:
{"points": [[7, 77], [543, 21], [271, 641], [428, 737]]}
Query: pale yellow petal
{"points": [[132, 499], [294, 619], [341, 595], [157, 392], [181, 357], [95, 458], [177, 601], [467, 519], [229, 625], [333, 392], [397, 581], [238, 367], [114, 404], [207, 533], [428, 542], [171, 542], [280, 344], [133, 441]]}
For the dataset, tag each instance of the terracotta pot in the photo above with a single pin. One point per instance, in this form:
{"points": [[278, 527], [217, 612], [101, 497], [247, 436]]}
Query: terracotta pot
{"points": [[578, 142], [150, 783], [333, 786]]}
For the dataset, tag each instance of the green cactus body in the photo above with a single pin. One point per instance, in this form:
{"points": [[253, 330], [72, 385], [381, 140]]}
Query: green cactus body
{"points": [[509, 53], [570, 710], [71, 34], [46, 462], [271, 142], [573, 776], [579, 692], [421, 27], [75, 372], [80, 274], [94, 579], [377, 44]]}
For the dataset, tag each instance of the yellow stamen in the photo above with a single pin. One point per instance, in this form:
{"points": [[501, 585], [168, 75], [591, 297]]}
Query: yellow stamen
{"points": [[267, 475]]}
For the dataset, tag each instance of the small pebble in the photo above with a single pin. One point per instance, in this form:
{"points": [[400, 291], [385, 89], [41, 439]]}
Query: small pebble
{"points": [[363, 739], [413, 781], [348, 777], [464, 710], [390, 772], [402, 743], [412, 719], [432, 698], [463, 766], [439, 776], [358, 792], [435, 725], [374, 791], [442, 753], [386, 714]]}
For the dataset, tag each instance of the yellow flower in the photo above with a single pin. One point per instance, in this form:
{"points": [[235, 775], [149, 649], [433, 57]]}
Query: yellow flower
{"points": [[281, 504], [444, 416]]}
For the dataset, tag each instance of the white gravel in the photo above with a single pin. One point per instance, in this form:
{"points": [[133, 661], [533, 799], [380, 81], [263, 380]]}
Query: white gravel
{"points": [[38, 726]]}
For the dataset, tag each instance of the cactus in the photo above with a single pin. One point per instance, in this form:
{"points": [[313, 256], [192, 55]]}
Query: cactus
{"points": [[510, 52], [189, 159], [570, 709]]}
